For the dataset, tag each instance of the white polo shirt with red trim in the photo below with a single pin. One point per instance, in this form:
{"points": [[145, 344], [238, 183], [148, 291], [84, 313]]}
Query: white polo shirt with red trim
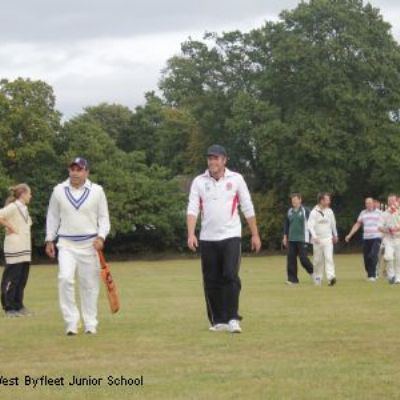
{"points": [[218, 202]]}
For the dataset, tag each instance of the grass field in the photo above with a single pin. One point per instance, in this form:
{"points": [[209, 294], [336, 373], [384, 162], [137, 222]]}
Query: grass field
{"points": [[298, 342]]}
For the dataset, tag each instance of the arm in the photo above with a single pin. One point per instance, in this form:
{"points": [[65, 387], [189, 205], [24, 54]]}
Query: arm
{"points": [[285, 231], [311, 226], [52, 225], [247, 208], [5, 214], [103, 221], [192, 214], [353, 230], [334, 229]]}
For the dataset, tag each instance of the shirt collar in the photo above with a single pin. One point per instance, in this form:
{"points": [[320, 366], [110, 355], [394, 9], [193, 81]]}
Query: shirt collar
{"points": [[87, 184], [227, 173], [20, 204]]}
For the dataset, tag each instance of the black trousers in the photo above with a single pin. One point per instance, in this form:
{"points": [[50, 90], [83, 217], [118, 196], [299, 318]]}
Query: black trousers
{"points": [[220, 261], [13, 282], [297, 249], [371, 253]]}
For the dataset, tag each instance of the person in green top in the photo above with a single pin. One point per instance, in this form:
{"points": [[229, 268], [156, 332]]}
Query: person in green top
{"points": [[296, 238]]}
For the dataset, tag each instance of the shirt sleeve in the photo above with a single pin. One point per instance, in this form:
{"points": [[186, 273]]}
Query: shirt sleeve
{"points": [[194, 203], [7, 211], [333, 224], [311, 224], [103, 216], [246, 204], [53, 218]]}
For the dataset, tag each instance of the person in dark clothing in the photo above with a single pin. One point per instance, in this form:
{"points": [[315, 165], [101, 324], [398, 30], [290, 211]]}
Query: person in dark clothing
{"points": [[296, 239]]}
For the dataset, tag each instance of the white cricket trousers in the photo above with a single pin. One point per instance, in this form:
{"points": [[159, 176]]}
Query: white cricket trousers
{"points": [[323, 259], [392, 257], [86, 261]]}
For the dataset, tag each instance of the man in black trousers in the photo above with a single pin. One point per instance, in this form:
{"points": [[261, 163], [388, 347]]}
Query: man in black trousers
{"points": [[296, 238], [217, 194]]}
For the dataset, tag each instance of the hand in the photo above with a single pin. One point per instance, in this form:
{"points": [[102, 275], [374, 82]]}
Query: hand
{"points": [[10, 230], [51, 249], [347, 238], [284, 241], [255, 243], [98, 244], [335, 239], [192, 242]]}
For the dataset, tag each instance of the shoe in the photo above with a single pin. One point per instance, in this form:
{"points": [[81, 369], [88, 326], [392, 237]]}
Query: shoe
{"points": [[25, 312], [290, 283], [332, 282], [219, 328], [391, 280], [397, 282], [90, 331], [71, 333], [317, 280], [234, 326], [13, 314], [371, 279]]}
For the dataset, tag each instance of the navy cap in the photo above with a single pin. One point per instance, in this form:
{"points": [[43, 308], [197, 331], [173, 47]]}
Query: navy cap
{"points": [[79, 162], [216, 150]]}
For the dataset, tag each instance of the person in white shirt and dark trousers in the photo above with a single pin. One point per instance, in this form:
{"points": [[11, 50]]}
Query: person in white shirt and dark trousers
{"points": [[78, 217], [17, 250], [369, 219], [217, 194], [322, 226]]}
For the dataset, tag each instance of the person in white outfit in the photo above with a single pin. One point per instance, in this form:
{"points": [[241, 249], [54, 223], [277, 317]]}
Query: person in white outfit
{"points": [[389, 225], [78, 217], [322, 226]]}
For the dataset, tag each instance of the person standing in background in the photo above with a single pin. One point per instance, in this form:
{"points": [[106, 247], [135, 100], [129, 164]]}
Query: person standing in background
{"points": [[389, 225], [296, 238], [322, 226], [369, 219], [17, 250]]}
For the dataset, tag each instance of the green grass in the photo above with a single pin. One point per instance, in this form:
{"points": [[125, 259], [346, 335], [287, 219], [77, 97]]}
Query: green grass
{"points": [[298, 342]]}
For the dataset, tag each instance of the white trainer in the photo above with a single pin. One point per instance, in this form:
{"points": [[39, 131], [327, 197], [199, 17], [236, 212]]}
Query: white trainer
{"points": [[219, 328], [234, 326], [372, 279]]}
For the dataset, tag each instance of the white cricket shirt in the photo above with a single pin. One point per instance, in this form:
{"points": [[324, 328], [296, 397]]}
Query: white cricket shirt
{"points": [[218, 203]]}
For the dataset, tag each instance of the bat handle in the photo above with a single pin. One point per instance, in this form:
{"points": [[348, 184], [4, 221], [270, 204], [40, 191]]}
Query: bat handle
{"points": [[101, 257]]}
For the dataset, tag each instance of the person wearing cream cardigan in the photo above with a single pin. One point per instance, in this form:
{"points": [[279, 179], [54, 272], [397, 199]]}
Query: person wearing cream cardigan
{"points": [[17, 250]]}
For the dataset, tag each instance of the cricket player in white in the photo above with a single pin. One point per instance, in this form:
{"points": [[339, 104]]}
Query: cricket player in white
{"points": [[322, 226], [78, 217], [389, 225]]}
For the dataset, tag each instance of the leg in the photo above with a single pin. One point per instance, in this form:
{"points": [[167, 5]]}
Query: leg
{"points": [[23, 279], [305, 261], [373, 256], [211, 265], [9, 286], [66, 289], [89, 286], [232, 284], [318, 261], [397, 262], [292, 262], [388, 256], [366, 255], [328, 256]]}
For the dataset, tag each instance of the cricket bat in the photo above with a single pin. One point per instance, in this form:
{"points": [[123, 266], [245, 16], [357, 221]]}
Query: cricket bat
{"points": [[107, 278]]}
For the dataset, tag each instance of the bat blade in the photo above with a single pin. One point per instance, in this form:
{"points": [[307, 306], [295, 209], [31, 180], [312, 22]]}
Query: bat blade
{"points": [[108, 280]]}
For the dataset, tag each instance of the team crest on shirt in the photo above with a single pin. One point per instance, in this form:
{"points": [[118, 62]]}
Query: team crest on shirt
{"points": [[228, 185]]}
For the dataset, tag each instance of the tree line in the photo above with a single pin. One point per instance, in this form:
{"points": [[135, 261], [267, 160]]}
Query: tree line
{"points": [[306, 103]]}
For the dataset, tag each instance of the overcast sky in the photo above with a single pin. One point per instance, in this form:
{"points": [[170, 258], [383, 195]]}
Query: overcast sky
{"points": [[94, 51]]}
